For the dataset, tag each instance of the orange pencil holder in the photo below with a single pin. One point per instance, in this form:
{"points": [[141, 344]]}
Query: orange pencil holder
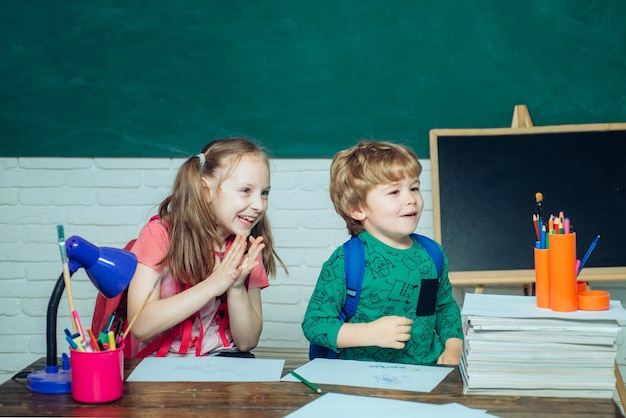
{"points": [[562, 261], [593, 300], [97, 377], [542, 277]]}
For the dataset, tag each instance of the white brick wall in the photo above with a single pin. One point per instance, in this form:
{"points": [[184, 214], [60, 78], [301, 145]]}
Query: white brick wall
{"points": [[107, 201]]}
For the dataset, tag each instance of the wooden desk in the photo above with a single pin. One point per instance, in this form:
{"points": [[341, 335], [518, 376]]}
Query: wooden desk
{"points": [[274, 399]]}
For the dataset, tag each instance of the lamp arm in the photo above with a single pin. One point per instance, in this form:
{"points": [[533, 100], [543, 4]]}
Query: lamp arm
{"points": [[51, 322]]}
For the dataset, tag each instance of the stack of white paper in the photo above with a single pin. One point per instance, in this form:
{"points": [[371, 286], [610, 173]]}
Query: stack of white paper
{"points": [[514, 348]]}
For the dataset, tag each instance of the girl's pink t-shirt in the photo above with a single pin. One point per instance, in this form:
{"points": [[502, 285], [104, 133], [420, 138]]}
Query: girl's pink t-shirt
{"points": [[150, 247]]}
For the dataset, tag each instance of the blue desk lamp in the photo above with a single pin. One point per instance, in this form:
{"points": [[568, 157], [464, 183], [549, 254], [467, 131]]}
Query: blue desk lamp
{"points": [[110, 270]]}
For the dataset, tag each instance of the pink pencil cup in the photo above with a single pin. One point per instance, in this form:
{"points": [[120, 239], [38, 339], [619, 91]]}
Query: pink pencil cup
{"points": [[97, 377]]}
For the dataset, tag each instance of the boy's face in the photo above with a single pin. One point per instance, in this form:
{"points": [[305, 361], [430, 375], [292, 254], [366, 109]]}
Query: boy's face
{"points": [[391, 211]]}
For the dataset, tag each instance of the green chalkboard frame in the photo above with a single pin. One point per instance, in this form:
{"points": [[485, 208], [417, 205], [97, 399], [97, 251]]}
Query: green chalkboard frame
{"points": [[484, 185]]}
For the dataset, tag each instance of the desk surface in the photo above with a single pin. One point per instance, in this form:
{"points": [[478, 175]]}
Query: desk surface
{"points": [[274, 399]]}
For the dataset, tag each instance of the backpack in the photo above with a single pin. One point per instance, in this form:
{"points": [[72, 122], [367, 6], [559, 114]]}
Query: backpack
{"points": [[354, 267], [110, 314]]}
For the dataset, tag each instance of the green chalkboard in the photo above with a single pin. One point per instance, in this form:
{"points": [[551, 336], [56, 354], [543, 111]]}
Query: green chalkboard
{"points": [[484, 185], [146, 78]]}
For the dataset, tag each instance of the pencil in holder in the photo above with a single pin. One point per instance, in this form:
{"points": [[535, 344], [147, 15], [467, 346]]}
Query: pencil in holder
{"points": [[542, 277], [562, 260]]}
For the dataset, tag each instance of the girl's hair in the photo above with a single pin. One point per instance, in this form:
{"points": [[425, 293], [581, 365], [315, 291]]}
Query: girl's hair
{"points": [[190, 219], [355, 171]]}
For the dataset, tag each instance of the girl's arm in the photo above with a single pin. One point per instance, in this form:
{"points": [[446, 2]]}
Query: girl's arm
{"points": [[245, 316], [162, 314], [244, 305], [159, 314]]}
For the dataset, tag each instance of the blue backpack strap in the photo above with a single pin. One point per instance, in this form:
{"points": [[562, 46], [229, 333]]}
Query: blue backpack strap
{"points": [[433, 250], [354, 268]]}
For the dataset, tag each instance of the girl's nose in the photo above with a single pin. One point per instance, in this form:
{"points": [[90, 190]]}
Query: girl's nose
{"points": [[257, 202]]}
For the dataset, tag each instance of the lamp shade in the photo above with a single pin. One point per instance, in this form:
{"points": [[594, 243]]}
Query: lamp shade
{"points": [[109, 269]]}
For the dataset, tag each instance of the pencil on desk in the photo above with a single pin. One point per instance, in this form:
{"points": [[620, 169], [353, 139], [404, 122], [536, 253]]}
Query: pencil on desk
{"points": [[306, 382]]}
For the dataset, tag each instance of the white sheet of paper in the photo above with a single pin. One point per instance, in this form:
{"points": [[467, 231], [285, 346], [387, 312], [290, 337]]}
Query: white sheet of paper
{"points": [[340, 405], [371, 374], [207, 369], [512, 306]]}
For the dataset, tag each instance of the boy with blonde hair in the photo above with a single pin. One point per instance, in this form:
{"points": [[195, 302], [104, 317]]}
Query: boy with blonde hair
{"points": [[406, 313]]}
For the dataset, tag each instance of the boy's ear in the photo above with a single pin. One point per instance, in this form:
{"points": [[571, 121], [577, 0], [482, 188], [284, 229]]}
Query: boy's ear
{"points": [[357, 214]]}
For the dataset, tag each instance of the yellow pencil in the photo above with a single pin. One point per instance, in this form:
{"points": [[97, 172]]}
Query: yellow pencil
{"points": [[111, 335]]}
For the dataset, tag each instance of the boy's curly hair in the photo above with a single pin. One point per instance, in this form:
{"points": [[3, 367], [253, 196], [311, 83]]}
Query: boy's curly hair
{"points": [[355, 171]]}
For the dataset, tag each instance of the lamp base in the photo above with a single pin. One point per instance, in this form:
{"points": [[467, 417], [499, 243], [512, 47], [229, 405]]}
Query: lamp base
{"points": [[51, 381]]}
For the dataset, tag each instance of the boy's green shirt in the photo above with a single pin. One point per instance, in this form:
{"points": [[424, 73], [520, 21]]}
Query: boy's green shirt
{"points": [[394, 281]]}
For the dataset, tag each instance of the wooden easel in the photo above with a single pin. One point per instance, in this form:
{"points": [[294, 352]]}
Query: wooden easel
{"points": [[521, 119]]}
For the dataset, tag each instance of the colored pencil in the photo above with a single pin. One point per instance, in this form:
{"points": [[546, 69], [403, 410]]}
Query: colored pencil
{"points": [[93, 341], [587, 254], [306, 382]]}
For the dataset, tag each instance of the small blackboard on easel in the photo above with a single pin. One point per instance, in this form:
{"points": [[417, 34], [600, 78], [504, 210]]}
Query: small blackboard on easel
{"points": [[484, 186]]}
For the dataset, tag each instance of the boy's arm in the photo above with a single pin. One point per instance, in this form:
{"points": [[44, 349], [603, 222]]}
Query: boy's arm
{"points": [[448, 321], [452, 352], [385, 332], [321, 321]]}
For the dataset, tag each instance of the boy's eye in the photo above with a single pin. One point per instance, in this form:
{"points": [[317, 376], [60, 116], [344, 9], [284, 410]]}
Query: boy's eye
{"points": [[394, 192], [265, 193], [415, 189], [245, 190]]}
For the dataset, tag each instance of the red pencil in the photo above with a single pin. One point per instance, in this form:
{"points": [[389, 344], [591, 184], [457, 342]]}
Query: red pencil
{"points": [[536, 223]]}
